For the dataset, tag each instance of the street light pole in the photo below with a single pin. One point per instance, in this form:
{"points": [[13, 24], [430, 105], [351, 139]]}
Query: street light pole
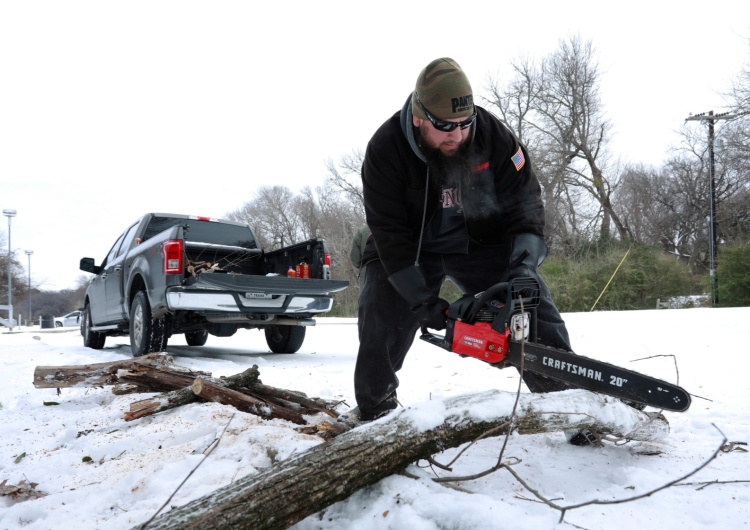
{"points": [[9, 214], [29, 253]]}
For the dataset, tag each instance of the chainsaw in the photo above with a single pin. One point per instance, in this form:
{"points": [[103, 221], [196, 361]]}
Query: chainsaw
{"points": [[498, 326]]}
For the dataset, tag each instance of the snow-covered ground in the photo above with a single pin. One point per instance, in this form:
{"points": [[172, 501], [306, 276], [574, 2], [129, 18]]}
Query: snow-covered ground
{"points": [[98, 471]]}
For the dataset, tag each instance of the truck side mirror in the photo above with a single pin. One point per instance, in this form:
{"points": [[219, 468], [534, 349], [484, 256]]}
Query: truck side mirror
{"points": [[88, 265]]}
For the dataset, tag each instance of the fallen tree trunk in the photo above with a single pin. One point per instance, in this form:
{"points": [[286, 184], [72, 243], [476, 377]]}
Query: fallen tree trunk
{"points": [[327, 473]]}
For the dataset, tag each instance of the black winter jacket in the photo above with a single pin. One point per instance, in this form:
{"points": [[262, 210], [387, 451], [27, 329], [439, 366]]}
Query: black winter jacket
{"points": [[498, 200]]}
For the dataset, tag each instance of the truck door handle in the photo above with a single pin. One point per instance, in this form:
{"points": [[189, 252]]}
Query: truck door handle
{"points": [[118, 268]]}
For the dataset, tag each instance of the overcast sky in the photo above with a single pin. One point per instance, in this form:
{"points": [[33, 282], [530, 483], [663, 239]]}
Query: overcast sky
{"points": [[109, 109]]}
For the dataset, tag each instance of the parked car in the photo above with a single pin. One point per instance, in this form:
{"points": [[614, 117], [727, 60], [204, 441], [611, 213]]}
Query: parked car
{"points": [[72, 319]]}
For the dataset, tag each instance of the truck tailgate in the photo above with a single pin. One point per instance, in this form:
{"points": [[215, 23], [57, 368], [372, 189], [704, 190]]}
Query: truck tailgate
{"points": [[266, 284]]}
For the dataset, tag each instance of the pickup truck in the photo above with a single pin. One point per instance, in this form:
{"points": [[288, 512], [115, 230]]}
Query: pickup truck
{"points": [[169, 273]]}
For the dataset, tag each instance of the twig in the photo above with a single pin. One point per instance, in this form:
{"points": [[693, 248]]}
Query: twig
{"points": [[208, 452], [564, 509], [676, 370], [509, 424], [704, 485], [674, 359]]}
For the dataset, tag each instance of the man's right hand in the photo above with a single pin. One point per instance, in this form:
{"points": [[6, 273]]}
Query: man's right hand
{"points": [[431, 313]]}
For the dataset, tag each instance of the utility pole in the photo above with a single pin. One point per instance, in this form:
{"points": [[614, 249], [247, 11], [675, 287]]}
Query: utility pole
{"points": [[711, 119]]}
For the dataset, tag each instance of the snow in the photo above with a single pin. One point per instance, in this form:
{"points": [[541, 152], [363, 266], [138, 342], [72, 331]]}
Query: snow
{"points": [[99, 471]]}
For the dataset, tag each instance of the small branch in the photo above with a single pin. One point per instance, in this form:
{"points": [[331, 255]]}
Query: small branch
{"points": [[676, 370], [674, 359], [208, 452], [564, 509], [704, 485], [494, 430]]}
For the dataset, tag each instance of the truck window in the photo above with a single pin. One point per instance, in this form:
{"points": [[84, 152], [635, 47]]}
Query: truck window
{"points": [[205, 231], [112, 254], [127, 241]]}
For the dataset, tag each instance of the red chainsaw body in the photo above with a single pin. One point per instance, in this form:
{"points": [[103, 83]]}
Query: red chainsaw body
{"points": [[479, 340]]}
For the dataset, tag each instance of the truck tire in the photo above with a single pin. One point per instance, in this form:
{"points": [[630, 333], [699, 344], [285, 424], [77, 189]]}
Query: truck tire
{"points": [[285, 339], [147, 334], [196, 338], [91, 339]]}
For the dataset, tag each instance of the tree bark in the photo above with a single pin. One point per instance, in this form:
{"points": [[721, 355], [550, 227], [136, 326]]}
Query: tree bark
{"points": [[162, 402], [327, 473], [159, 379], [244, 402]]}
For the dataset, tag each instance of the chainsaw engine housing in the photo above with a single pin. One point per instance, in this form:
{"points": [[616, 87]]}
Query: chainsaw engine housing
{"points": [[480, 325]]}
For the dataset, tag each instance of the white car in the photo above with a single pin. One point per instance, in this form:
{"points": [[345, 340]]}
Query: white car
{"points": [[72, 319]]}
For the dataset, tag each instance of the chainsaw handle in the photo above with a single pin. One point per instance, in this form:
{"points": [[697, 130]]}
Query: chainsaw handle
{"points": [[490, 293]]}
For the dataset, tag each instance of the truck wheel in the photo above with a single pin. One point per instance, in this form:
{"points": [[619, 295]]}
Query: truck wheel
{"points": [[285, 339], [147, 335], [196, 338], [91, 339]]}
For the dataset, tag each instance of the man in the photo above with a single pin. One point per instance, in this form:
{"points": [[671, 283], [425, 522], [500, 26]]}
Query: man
{"points": [[448, 192]]}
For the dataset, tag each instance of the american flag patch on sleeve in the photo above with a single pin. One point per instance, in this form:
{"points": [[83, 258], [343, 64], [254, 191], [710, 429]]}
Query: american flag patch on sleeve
{"points": [[518, 159]]}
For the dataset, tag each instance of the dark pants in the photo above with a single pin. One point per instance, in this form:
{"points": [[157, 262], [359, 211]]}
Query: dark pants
{"points": [[387, 327]]}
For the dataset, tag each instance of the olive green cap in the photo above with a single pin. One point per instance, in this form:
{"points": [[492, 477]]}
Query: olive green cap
{"points": [[444, 90]]}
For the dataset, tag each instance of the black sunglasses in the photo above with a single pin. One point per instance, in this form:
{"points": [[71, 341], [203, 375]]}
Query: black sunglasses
{"points": [[446, 126]]}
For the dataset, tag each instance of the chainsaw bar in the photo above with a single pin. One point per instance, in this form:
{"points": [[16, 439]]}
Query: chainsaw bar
{"points": [[596, 376]]}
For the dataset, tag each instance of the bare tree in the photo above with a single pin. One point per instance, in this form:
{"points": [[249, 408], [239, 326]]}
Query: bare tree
{"points": [[279, 217], [346, 177], [555, 108], [516, 103], [272, 217], [574, 127]]}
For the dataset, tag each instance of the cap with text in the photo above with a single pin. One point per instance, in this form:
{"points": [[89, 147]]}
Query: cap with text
{"points": [[444, 90]]}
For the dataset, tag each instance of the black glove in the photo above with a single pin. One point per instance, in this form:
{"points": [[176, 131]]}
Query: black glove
{"points": [[527, 253], [428, 308], [431, 313]]}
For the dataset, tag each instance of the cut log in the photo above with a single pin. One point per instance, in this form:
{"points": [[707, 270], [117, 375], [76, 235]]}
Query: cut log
{"points": [[310, 481], [183, 396], [247, 382], [160, 403], [159, 379], [244, 402], [313, 405], [157, 372], [99, 374]]}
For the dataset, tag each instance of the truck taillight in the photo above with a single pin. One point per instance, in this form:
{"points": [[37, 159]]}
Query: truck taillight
{"points": [[173, 252], [326, 266]]}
